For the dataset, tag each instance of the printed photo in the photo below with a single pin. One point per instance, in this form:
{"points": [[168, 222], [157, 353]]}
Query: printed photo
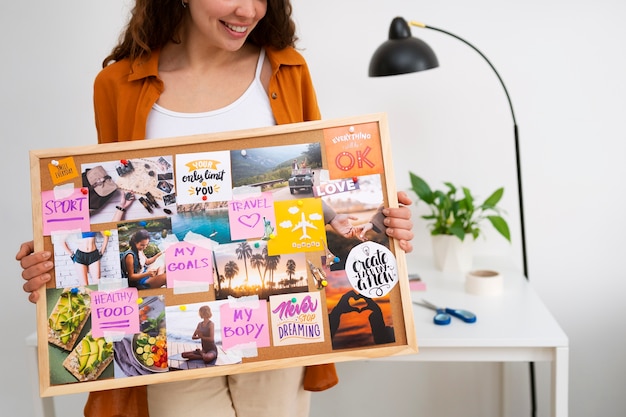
{"points": [[289, 171], [355, 320], [128, 189], [142, 246], [354, 205], [75, 355], [84, 258], [145, 352], [245, 268], [194, 336]]}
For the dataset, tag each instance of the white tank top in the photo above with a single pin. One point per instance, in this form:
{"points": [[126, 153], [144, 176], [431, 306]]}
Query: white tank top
{"points": [[251, 110]]}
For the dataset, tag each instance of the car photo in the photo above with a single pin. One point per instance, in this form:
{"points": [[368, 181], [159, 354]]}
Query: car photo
{"points": [[301, 180]]}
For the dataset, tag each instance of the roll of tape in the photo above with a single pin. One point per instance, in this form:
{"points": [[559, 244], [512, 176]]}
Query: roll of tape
{"points": [[483, 282]]}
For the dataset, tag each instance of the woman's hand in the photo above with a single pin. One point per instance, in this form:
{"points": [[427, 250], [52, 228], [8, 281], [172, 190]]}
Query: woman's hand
{"points": [[125, 202], [398, 222], [342, 225], [362, 230], [36, 268]]}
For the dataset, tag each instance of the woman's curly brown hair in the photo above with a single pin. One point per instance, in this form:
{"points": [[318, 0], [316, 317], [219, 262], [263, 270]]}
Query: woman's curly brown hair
{"points": [[154, 23]]}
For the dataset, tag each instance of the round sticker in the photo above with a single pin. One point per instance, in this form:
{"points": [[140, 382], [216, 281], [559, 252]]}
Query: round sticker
{"points": [[372, 269]]}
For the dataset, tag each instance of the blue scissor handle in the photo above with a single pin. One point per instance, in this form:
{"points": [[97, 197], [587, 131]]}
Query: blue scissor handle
{"points": [[466, 316], [441, 318]]}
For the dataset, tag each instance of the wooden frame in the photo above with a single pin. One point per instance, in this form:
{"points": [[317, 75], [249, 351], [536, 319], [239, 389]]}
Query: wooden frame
{"points": [[297, 318]]}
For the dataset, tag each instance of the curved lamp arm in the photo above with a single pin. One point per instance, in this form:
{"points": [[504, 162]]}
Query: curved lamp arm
{"points": [[425, 26], [515, 132]]}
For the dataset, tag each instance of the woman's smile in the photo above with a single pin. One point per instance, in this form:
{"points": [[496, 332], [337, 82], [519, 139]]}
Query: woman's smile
{"points": [[235, 28]]}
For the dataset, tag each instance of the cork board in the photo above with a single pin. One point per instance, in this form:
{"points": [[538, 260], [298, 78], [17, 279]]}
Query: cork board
{"points": [[219, 254]]}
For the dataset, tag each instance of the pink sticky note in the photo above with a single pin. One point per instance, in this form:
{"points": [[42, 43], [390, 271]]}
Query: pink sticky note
{"points": [[251, 216], [417, 285], [68, 212], [115, 312], [245, 324], [186, 262]]}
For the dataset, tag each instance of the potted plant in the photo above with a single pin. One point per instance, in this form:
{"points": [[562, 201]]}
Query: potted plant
{"points": [[456, 221]]}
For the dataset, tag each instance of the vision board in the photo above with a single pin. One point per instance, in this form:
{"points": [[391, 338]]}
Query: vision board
{"points": [[207, 255]]}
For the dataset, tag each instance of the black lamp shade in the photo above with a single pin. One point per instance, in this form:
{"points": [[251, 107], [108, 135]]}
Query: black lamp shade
{"points": [[402, 53]]}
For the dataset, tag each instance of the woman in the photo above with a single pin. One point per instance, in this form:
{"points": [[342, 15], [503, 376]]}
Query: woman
{"points": [[205, 332], [86, 257], [201, 66], [136, 265]]}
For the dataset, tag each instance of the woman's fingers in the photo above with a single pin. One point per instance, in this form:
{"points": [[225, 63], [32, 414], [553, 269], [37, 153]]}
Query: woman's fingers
{"points": [[36, 269], [404, 199], [36, 264], [399, 224]]}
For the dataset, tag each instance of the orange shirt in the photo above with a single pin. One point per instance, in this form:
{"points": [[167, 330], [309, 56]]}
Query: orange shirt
{"points": [[124, 94]]}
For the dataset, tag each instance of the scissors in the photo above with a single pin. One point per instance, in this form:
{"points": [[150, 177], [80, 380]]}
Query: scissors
{"points": [[444, 313]]}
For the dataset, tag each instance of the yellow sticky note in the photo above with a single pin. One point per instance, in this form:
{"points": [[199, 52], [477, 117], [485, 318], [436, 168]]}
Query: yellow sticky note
{"points": [[299, 227]]}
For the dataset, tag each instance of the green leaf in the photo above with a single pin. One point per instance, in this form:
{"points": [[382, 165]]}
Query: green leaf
{"points": [[494, 198], [462, 205], [468, 199], [421, 188], [457, 230], [451, 188], [501, 226], [439, 196]]}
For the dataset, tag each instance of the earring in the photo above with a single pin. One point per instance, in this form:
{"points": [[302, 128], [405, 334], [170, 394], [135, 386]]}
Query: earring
{"points": [[183, 3]]}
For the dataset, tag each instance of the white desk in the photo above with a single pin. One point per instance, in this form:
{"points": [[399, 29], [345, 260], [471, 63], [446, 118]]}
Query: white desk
{"points": [[513, 327]]}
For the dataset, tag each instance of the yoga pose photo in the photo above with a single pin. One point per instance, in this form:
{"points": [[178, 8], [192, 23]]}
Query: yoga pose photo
{"points": [[205, 332]]}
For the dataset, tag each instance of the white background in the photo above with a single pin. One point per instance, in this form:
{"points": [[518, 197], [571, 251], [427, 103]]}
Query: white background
{"points": [[564, 64]]}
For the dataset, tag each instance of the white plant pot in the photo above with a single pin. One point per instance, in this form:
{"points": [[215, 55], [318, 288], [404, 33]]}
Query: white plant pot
{"points": [[452, 254]]}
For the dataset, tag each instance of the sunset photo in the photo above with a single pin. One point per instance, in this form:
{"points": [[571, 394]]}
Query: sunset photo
{"points": [[245, 268]]}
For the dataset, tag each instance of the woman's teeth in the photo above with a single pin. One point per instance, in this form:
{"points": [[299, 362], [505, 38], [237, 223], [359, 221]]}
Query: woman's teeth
{"points": [[239, 29]]}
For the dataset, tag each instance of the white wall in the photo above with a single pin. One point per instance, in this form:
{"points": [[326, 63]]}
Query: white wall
{"points": [[564, 65]]}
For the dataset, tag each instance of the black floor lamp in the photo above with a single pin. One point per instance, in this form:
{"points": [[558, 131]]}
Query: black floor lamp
{"points": [[402, 54]]}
